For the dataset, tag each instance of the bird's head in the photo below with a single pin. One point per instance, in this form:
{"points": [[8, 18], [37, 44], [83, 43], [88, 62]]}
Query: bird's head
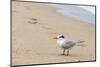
{"points": [[59, 36]]}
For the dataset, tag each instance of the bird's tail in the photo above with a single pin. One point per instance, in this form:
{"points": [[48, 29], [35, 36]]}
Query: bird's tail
{"points": [[79, 41]]}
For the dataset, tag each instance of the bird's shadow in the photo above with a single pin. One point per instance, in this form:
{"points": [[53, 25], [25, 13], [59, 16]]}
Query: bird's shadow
{"points": [[70, 55]]}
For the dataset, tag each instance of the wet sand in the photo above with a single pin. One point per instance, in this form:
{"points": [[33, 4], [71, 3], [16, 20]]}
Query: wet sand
{"points": [[33, 27]]}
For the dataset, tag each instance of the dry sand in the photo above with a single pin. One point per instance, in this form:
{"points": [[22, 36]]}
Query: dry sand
{"points": [[33, 27]]}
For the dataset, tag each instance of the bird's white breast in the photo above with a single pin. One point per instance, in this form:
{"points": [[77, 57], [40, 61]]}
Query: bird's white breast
{"points": [[61, 42]]}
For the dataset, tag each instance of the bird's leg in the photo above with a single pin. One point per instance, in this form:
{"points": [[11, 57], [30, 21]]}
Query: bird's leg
{"points": [[63, 52], [67, 52]]}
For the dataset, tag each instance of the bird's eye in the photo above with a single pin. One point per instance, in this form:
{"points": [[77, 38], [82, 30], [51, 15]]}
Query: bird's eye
{"points": [[61, 37]]}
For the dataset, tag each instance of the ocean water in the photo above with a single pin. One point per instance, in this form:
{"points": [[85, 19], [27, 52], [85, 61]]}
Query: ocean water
{"points": [[82, 13]]}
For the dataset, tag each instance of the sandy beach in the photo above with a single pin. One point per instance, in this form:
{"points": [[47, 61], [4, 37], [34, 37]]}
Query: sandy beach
{"points": [[33, 27]]}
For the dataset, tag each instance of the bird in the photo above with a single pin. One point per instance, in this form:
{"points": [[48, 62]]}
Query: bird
{"points": [[66, 44]]}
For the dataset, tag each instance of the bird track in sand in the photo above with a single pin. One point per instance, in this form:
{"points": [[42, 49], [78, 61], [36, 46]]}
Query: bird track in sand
{"points": [[32, 22], [35, 21]]}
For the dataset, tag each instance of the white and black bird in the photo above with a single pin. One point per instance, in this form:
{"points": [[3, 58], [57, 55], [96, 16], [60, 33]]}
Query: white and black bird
{"points": [[66, 44]]}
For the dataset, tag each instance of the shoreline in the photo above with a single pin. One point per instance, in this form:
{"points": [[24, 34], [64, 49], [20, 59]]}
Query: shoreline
{"points": [[67, 10], [70, 17]]}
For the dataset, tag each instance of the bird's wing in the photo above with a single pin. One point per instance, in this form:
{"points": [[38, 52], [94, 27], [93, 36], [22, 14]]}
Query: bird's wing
{"points": [[68, 44]]}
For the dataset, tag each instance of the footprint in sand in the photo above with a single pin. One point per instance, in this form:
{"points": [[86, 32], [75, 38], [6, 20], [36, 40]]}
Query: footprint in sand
{"points": [[32, 22], [33, 19]]}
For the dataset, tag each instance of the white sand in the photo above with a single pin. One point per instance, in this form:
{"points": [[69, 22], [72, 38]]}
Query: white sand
{"points": [[34, 43]]}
